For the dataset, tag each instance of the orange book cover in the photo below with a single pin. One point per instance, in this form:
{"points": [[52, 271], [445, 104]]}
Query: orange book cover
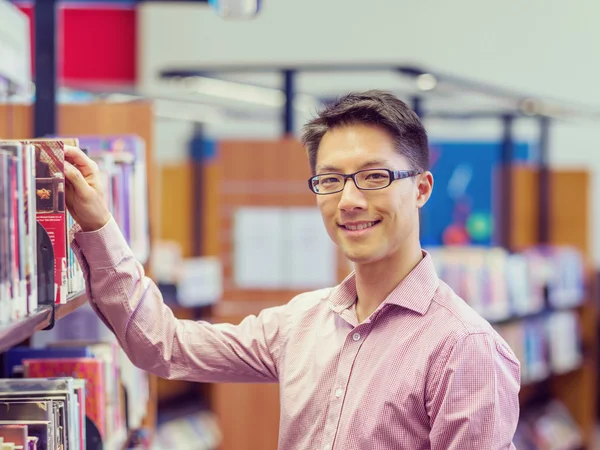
{"points": [[89, 369]]}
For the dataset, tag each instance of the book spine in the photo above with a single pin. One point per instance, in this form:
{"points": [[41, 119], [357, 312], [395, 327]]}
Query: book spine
{"points": [[4, 240], [23, 248], [50, 207], [14, 239], [32, 226]]}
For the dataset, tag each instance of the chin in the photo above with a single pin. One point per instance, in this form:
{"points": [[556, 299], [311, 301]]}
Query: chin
{"points": [[361, 256]]}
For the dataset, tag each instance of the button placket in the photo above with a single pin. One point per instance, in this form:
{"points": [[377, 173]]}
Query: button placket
{"points": [[348, 355]]}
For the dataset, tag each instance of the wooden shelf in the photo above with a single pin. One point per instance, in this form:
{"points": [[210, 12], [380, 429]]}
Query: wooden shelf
{"points": [[14, 333]]}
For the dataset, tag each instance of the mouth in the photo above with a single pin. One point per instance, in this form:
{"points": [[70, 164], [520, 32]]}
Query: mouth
{"points": [[358, 228]]}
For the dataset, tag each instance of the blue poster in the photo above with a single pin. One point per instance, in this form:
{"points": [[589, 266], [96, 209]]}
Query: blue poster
{"points": [[461, 208]]}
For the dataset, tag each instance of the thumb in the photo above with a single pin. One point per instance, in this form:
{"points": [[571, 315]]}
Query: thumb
{"points": [[76, 178]]}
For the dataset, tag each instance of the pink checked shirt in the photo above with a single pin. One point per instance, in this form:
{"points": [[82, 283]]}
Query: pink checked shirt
{"points": [[424, 371]]}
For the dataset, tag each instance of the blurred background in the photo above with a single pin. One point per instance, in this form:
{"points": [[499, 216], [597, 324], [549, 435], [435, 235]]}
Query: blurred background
{"points": [[193, 111]]}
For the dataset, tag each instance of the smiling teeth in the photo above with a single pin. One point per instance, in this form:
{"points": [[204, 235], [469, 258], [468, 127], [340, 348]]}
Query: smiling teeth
{"points": [[362, 226]]}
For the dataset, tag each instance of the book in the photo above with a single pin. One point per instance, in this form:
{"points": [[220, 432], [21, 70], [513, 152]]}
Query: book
{"points": [[501, 285], [108, 353], [50, 208], [27, 260], [89, 369], [55, 421], [5, 265], [84, 327], [15, 434], [13, 235], [13, 357], [122, 159]]}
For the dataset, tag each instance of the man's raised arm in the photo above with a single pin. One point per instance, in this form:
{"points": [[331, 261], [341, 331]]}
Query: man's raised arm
{"points": [[131, 305]]}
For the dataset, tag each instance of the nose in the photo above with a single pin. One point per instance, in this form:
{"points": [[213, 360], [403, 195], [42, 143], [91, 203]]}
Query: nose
{"points": [[352, 198]]}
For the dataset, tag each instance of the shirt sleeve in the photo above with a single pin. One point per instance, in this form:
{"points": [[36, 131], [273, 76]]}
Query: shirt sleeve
{"points": [[475, 396], [131, 305]]}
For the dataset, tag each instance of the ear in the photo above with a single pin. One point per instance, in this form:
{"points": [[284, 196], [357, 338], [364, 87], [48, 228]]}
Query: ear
{"points": [[424, 188]]}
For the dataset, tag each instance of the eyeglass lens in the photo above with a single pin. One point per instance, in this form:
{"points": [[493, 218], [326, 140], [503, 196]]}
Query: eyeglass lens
{"points": [[368, 179]]}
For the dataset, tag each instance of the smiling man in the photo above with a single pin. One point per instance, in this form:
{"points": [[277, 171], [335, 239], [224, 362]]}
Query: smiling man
{"points": [[390, 359]]}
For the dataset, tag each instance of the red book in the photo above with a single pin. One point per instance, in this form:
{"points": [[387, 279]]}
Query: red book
{"points": [[50, 207], [89, 369], [17, 434]]}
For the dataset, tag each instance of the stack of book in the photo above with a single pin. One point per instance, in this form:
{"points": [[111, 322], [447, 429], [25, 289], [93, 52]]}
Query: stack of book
{"points": [[73, 387], [545, 345], [84, 330], [529, 297], [122, 162], [500, 285], [32, 192], [113, 395], [32, 195], [548, 426], [44, 413]]}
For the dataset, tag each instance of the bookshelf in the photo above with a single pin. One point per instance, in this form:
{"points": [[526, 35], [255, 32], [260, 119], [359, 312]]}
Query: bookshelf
{"points": [[21, 330], [86, 121]]}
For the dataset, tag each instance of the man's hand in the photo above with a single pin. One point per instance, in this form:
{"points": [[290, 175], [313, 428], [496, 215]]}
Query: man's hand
{"points": [[83, 191]]}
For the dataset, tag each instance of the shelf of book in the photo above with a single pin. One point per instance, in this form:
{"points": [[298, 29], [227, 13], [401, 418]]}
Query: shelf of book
{"points": [[58, 331], [119, 136], [20, 330]]}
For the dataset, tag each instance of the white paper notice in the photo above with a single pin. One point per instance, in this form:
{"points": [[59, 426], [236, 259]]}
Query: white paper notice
{"points": [[258, 236], [311, 261], [282, 248], [200, 282]]}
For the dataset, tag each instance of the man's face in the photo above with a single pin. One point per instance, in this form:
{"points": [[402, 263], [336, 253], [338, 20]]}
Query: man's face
{"points": [[390, 215]]}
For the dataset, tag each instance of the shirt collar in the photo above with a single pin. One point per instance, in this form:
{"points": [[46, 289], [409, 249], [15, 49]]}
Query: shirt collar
{"points": [[414, 292]]}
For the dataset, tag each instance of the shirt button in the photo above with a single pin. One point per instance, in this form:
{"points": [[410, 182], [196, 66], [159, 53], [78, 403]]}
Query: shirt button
{"points": [[339, 392], [356, 336]]}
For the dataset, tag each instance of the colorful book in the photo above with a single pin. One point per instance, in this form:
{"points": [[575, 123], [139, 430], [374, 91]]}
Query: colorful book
{"points": [[50, 207], [5, 273], [17, 434], [126, 187], [25, 221], [13, 357], [89, 369]]}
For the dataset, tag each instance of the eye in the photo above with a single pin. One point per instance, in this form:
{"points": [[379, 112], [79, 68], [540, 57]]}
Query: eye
{"points": [[376, 176], [329, 180]]}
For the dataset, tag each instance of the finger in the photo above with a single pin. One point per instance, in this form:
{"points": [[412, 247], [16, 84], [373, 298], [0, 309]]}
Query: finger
{"points": [[76, 178], [83, 162]]}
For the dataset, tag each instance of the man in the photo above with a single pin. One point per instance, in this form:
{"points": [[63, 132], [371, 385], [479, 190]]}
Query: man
{"points": [[389, 359]]}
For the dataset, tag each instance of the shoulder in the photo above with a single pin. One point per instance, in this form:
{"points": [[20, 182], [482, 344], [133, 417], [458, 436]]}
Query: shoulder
{"points": [[309, 300], [457, 315], [462, 329]]}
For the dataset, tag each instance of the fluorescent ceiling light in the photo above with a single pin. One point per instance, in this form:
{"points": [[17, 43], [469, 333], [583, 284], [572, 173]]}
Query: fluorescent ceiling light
{"points": [[269, 97]]}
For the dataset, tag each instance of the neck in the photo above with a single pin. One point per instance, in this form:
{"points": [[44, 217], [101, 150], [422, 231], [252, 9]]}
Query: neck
{"points": [[375, 281]]}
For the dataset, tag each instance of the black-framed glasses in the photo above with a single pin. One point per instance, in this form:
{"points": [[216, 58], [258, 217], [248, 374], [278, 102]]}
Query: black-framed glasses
{"points": [[367, 180]]}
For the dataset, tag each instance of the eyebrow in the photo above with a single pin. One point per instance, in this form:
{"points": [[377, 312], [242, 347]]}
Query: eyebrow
{"points": [[370, 163]]}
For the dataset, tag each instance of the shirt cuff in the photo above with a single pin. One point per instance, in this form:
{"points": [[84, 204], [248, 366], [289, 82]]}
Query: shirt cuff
{"points": [[104, 248]]}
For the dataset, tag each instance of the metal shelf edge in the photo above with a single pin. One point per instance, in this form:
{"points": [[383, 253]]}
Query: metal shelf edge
{"points": [[16, 332]]}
